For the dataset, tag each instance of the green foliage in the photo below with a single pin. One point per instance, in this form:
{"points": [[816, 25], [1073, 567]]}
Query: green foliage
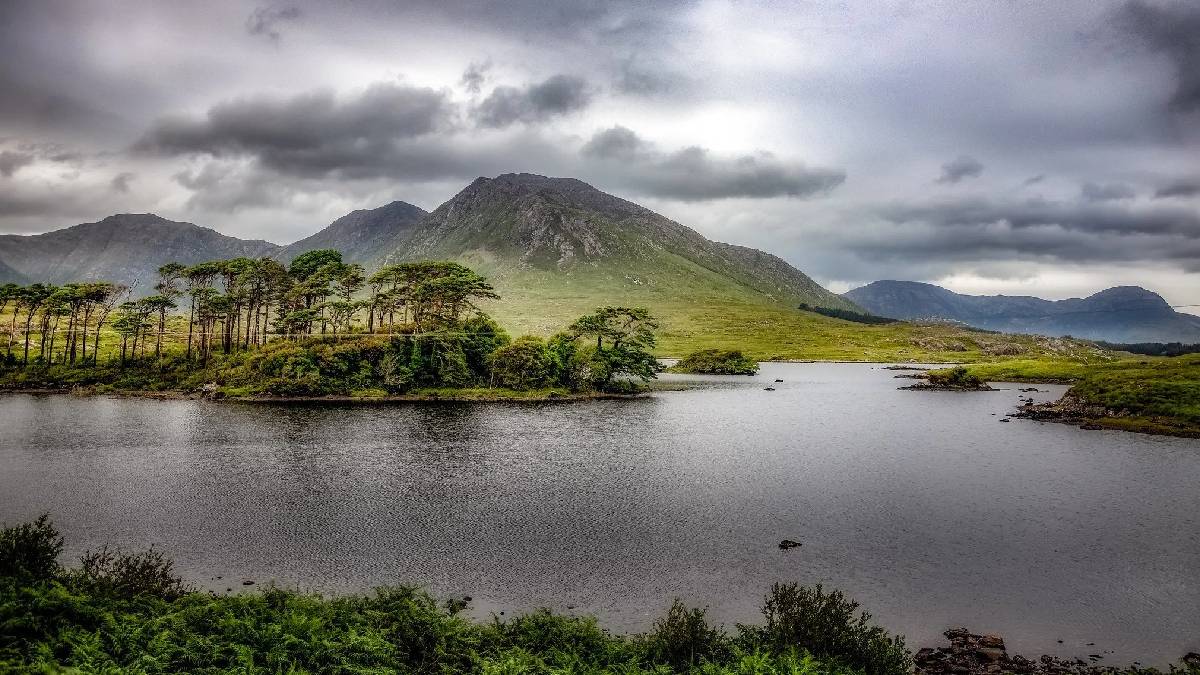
{"points": [[828, 625], [524, 364], [716, 362], [128, 613], [1156, 394], [957, 377], [683, 639], [848, 315], [129, 575], [30, 550]]}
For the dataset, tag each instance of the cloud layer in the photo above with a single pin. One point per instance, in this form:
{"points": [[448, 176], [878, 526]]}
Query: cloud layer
{"points": [[1001, 143]]}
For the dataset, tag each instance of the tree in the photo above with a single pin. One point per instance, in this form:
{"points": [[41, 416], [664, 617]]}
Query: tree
{"points": [[32, 299], [629, 332], [199, 280], [526, 363], [168, 287]]}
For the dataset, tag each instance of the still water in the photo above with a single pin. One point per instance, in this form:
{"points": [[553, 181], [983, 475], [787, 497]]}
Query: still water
{"points": [[919, 504]]}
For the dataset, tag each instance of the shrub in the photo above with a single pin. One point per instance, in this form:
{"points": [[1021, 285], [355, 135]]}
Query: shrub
{"points": [[825, 625], [524, 364], [958, 376], [30, 550], [127, 575], [716, 362], [684, 639]]}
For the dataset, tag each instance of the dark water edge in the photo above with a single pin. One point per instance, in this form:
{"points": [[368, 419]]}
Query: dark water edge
{"points": [[919, 504]]}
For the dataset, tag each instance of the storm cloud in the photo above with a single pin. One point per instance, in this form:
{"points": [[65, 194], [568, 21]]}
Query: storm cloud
{"points": [[11, 161], [959, 168], [696, 174], [311, 134], [1098, 192], [266, 21], [756, 123], [557, 95], [1173, 30]]}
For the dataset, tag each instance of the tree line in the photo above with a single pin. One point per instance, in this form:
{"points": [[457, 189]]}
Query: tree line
{"points": [[425, 326]]}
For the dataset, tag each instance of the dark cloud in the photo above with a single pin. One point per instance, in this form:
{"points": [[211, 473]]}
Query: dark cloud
{"points": [[120, 182], [1033, 214], [558, 95], [615, 143], [312, 134], [1106, 192], [11, 161], [694, 174], [1171, 29], [474, 76], [959, 168], [1180, 189], [265, 21], [1034, 180]]}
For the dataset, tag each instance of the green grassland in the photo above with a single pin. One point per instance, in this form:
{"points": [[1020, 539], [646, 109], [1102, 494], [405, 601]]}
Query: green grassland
{"points": [[1136, 393], [699, 309]]}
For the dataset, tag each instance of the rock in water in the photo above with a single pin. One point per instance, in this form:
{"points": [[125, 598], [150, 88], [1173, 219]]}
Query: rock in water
{"points": [[788, 543]]}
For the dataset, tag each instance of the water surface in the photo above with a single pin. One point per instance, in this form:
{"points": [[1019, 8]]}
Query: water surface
{"points": [[920, 504]]}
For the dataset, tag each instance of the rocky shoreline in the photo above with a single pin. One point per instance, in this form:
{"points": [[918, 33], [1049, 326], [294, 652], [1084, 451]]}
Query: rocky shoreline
{"points": [[1073, 410], [971, 654]]}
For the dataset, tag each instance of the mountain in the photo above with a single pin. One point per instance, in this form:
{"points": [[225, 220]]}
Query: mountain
{"points": [[362, 235], [554, 248], [127, 248], [1120, 314], [558, 247]]}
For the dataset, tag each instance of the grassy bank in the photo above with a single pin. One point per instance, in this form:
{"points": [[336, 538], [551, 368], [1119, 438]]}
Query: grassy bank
{"points": [[117, 612], [1147, 394]]}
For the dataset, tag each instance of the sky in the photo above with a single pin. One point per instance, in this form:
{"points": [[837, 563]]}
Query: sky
{"points": [[990, 146]]}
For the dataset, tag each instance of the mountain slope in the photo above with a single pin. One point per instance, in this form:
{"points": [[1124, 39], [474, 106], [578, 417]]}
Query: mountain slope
{"points": [[127, 248], [363, 235], [556, 247], [1120, 314]]}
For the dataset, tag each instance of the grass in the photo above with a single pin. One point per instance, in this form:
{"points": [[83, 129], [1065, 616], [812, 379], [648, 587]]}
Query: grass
{"points": [[1149, 394], [699, 309]]}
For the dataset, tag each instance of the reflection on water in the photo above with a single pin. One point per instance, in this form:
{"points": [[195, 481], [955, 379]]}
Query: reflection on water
{"points": [[917, 503]]}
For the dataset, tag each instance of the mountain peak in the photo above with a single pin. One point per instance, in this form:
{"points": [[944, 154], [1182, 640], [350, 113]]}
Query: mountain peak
{"points": [[542, 223]]}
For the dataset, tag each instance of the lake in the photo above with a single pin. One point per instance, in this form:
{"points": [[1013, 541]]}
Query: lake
{"points": [[921, 505]]}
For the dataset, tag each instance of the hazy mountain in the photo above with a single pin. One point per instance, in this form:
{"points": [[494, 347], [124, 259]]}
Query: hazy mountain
{"points": [[127, 248], [363, 236], [1121, 314], [563, 245]]}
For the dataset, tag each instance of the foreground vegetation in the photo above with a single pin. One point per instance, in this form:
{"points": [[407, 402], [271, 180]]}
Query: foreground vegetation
{"points": [[119, 612], [1151, 394], [130, 612]]}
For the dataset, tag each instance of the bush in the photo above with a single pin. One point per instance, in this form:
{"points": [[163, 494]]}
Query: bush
{"points": [[958, 376], [683, 639], [30, 550], [716, 362], [127, 575], [825, 625], [524, 364]]}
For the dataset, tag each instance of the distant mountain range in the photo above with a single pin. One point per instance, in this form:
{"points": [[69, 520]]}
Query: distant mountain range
{"points": [[554, 248], [1120, 314]]}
